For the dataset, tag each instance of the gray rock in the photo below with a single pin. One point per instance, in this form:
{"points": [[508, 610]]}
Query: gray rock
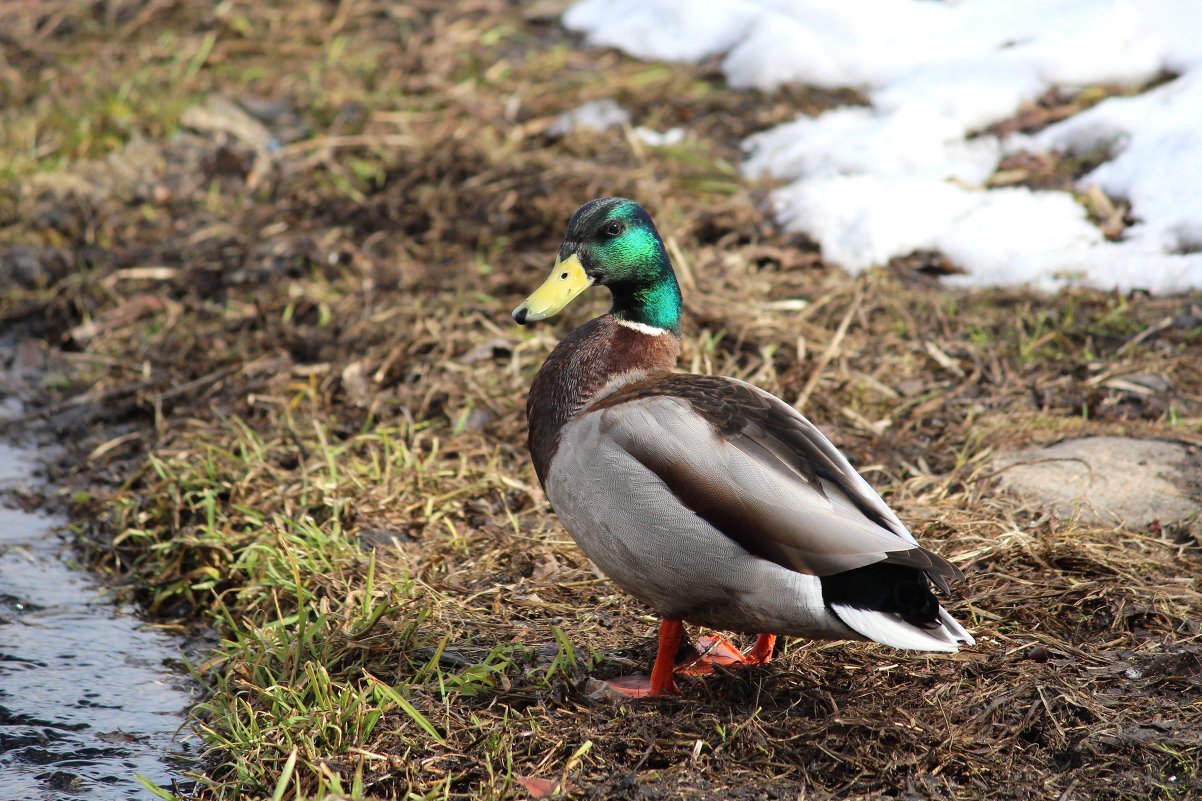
{"points": [[1109, 480]]}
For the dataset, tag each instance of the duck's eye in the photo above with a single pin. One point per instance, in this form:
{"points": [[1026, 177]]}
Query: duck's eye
{"points": [[614, 228]]}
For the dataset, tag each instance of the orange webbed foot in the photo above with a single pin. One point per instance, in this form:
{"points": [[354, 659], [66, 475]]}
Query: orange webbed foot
{"points": [[660, 682], [640, 687], [714, 650]]}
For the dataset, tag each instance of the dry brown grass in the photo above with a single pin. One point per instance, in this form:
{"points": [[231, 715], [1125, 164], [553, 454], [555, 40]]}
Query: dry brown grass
{"points": [[298, 408]]}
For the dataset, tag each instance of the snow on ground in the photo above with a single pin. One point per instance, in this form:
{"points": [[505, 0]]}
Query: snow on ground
{"points": [[905, 173]]}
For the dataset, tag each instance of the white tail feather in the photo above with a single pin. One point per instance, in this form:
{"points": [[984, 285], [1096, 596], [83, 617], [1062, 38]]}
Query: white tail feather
{"points": [[888, 628]]}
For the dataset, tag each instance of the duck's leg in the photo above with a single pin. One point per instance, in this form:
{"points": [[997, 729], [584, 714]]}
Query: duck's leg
{"points": [[761, 652], [660, 681]]}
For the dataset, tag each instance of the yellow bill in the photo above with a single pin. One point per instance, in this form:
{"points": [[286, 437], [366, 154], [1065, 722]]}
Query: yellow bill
{"points": [[567, 280]]}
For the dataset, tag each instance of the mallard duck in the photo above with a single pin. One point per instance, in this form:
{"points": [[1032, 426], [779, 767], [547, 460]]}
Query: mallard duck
{"points": [[707, 498]]}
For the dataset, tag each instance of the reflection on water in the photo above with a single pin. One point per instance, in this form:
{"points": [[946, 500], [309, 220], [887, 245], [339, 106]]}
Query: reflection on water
{"points": [[86, 700]]}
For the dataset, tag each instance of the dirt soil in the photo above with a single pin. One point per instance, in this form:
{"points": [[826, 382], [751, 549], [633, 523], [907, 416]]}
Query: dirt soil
{"points": [[256, 270]]}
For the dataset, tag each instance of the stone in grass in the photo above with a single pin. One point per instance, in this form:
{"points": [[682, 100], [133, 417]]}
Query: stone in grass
{"points": [[1109, 480]]}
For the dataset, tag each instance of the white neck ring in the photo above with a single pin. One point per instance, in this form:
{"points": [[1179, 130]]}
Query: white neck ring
{"points": [[642, 328]]}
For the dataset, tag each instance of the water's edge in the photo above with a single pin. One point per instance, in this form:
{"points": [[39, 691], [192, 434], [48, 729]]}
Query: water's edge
{"points": [[88, 695]]}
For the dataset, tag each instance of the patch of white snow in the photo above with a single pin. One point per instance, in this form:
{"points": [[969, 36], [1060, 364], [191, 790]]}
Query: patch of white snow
{"points": [[597, 115], [649, 136], [908, 171]]}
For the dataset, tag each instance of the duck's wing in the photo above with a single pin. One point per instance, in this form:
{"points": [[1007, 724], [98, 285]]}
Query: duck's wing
{"points": [[762, 474]]}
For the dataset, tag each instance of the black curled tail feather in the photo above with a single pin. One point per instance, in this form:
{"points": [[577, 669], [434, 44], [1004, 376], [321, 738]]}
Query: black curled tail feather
{"points": [[885, 587]]}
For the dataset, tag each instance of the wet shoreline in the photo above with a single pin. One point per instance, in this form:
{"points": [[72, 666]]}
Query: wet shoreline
{"points": [[89, 697]]}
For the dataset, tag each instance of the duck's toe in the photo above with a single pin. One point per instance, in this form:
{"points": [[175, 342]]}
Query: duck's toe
{"points": [[713, 650], [630, 687]]}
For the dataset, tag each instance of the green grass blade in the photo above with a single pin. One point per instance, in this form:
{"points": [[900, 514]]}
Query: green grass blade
{"points": [[281, 786]]}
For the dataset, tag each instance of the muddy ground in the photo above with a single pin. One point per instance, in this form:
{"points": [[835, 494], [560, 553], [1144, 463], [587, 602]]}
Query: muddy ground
{"points": [[257, 267]]}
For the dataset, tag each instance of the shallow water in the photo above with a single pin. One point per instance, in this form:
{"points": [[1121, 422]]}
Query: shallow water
{"points": [[86, 697]]}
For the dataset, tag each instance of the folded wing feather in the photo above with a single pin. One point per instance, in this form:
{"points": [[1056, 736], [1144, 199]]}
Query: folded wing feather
{"points": [[757, 470]]}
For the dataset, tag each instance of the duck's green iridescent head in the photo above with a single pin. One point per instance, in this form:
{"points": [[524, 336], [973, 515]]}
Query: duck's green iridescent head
{"points": [[611, 241]]}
